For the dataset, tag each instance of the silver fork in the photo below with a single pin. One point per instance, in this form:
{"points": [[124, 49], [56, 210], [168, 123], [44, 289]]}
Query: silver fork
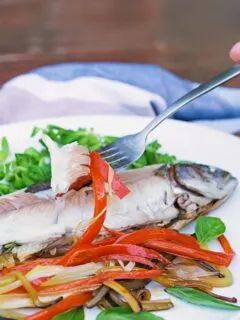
{"points": [[129, 148]]}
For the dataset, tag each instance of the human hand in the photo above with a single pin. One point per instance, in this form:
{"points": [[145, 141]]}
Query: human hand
{"points": [[235, 52]]}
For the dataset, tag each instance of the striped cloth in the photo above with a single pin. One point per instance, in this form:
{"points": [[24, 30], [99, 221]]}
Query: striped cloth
{"points": [[114, 89]]}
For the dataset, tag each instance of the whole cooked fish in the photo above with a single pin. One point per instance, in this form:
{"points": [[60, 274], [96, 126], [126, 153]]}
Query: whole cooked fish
{"points": [[168, 196]]}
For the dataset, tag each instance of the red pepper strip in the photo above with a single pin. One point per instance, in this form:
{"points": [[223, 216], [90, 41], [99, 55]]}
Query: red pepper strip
{"points": [[5, 271], [139, 236], [62, 306], [100, 204], [100, 278], [137, 259], [113, 232], [19, 290], [226, 245], [79, 183], [94, 254], [27, 266], [186, 252], [39, 281], [100, 198], [104, 242], [117, 185]]}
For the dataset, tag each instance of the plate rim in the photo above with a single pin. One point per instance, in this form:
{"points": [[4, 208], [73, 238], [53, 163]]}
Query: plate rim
{"points": [[195, 126], [181, 122]]}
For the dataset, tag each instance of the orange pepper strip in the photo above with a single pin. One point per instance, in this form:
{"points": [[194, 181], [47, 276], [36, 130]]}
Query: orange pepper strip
{"points": [[100, 204], [186, 252], [101, 278], [113, 232], [62, 306], [117, 185], [29, 265], [140, 236], [105, 241], [94, 254], [226, 245]]}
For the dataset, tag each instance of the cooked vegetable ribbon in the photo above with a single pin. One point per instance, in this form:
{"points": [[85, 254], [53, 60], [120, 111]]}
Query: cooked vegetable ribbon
{"points": [[185, 251], [62, 306], [143, 235], [226, 245]]}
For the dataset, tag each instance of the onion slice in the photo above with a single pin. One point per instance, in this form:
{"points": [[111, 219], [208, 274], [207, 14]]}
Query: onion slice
{"points": [[156, 305], [73, 273], [12, 314], [36, 273], [126, 294], [97, 297]]}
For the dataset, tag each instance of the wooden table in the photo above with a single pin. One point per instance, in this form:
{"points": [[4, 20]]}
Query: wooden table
{"points": [[189, 37]]}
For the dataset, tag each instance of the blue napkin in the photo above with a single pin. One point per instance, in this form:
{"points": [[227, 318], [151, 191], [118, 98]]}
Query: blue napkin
{"points": [[222, 103]]}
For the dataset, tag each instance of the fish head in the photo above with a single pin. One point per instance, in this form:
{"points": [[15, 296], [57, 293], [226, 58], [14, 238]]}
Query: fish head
{"points": [[198, 189], [203, 180]]}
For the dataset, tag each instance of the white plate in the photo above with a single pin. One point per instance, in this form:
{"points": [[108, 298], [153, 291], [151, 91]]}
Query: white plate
{"points": [[188, 142]]}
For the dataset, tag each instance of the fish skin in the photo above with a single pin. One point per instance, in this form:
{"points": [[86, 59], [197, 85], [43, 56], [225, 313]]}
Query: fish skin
{"points": [[168, 196]]}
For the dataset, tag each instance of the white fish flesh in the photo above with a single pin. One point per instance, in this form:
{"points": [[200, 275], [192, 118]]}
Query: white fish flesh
{"points": [[167, 196]]}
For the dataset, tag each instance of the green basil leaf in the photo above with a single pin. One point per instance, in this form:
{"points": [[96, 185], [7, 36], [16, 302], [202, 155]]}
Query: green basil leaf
{"points": [[74, 314], [4, 152], [195, 296], [121, 313], [209, 228]]}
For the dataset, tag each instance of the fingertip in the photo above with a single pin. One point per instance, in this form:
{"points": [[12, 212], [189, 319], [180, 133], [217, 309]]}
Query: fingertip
{"points": [[235, 52]]}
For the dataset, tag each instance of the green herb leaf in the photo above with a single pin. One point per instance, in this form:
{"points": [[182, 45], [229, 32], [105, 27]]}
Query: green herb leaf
{"points": [[153, 156], [109, 139], [74, 314], [121, 313], [23, 159], [35, 131], [209, 228], [195, 296], [33, 166], [4, 152], [2, 171], [46, 171], [18, 184], [33, 153], [35, 173], [8, 247], [4, 189]]}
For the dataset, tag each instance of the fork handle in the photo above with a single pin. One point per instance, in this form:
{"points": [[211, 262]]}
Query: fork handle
{"points": [[192, 95]]}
